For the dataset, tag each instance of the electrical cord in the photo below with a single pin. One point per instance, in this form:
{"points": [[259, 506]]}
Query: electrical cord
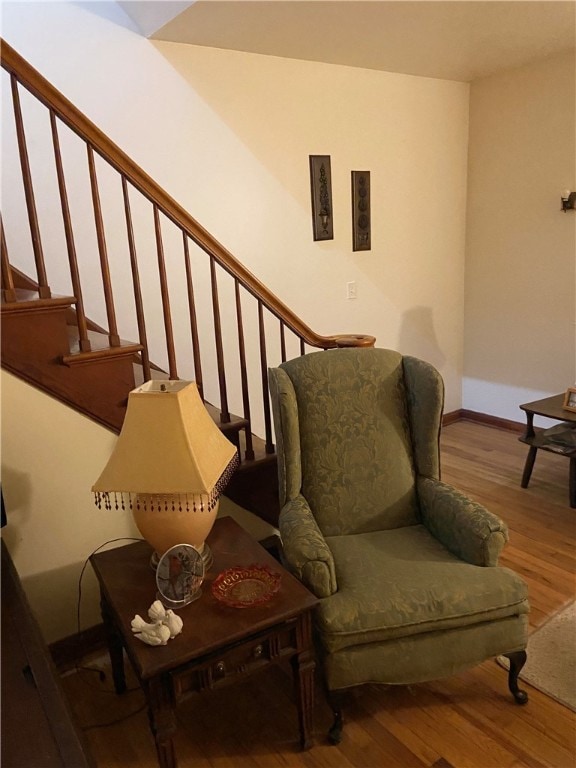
{"points": [[100, 672], [116, 721], [105, 544]]}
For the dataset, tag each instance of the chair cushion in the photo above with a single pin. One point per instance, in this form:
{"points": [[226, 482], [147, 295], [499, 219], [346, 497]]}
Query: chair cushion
{"points": [[356, 453], [404, 582]]}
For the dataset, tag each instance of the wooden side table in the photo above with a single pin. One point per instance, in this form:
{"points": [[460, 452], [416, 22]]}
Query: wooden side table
{"points": [[546, 440], [218, 645]]}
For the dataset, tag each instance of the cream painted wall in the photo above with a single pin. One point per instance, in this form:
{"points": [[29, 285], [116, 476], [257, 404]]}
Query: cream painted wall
{"points": [[411, 133], [228, 134], [51, 455], [520, 309]]}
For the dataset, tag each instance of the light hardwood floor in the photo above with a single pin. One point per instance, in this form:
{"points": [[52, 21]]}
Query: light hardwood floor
{"points": [[466, 721]]}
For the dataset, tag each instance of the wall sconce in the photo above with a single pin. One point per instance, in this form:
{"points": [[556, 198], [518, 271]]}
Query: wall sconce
{"points": [[568, 200]]}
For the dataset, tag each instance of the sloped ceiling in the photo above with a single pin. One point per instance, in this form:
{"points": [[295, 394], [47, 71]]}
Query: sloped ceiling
{"points": [[151, 15], [455, 40]]}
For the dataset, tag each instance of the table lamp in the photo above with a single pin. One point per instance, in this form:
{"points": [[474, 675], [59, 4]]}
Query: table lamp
{"points": [[169, 466]]}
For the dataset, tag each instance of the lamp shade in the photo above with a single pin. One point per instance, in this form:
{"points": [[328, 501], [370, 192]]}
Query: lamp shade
{"points": [[169, 446], [170, 464]]}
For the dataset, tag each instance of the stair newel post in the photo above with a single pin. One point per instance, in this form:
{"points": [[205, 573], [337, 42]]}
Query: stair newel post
{"points": [[168, 328], [136, 283], [8, 290], [113, 335], [83, 339], [249, 453], [43, 287], [264, 371], [224, 412], [193, 319]]}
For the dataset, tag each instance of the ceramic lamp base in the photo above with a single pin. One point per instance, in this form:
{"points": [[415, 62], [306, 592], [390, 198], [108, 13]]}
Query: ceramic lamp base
{"points": [[165, 527]]}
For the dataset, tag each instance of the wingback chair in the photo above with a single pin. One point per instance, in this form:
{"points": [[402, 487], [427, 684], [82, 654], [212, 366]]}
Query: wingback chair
{"points": [[405, 566]]}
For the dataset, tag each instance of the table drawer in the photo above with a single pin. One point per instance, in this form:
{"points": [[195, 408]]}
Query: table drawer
{"points": [[234, 661]]}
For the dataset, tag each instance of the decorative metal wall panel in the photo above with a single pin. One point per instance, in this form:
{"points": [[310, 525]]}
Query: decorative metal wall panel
{"points": [[321, 188], [361, 225]]}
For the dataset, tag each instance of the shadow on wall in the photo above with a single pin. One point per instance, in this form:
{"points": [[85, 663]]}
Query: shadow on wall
{"points": [[54, 598], [417, 333], [17, 493]]}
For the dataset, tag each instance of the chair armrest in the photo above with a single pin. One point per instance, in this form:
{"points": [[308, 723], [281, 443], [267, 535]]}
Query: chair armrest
{"points": [[305, 549], [466, 528]]}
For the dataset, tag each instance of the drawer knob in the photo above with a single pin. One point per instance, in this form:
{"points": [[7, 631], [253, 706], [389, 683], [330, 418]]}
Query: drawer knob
{"points": [[220, 668], [258, 651]]}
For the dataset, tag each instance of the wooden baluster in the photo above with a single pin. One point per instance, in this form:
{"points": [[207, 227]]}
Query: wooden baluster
{"points": [[113, 337], [43, 287], [84, 341], [224, 412], [243, 372], [8, 290], [41, 89], [264, 370], [165, 297], [282, 342], [302, 347], [193, 319], [136, 284]]}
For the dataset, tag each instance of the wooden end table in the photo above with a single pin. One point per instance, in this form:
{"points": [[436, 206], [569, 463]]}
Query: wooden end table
{"points": [[546, 439], [218, 645]]}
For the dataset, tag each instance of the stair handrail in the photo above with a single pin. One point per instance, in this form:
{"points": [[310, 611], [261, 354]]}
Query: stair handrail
{"points": [[51, 97]]}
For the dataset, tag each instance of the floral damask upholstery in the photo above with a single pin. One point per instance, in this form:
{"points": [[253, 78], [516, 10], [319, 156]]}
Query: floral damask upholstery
{"points": [[405, 566]]}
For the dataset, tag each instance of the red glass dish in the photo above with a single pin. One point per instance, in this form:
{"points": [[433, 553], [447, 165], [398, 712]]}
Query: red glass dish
{"points": [[243, 587]]}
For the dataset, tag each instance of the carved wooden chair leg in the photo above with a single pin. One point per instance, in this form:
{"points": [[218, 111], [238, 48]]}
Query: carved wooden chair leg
{"points": [[335, 733], [517, 661], [335, 699]]}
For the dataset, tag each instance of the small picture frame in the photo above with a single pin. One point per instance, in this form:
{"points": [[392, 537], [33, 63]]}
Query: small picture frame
{"points": [[570, 400], [361, 237]]}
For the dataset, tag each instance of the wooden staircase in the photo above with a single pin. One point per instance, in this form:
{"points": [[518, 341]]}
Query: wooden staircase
{"points": [[40, 347], [40, 344], [49, 341]]}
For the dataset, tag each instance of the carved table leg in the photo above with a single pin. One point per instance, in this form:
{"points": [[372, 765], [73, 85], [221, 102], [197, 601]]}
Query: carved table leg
{"points": [[115, 647], [162, 719], [303, 666], [517, 661]]}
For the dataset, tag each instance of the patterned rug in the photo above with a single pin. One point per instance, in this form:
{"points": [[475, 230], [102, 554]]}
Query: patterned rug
{"points": [[551, 665]]}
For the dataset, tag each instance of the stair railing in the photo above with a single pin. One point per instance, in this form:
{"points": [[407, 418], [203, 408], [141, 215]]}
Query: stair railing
{"points": [[166, 212]]}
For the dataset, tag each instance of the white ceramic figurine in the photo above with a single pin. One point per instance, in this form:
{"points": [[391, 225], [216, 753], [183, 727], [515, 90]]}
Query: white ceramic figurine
{"points": [[165, 625]]}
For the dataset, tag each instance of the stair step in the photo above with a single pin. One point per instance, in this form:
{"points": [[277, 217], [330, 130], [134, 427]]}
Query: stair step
{"points": [[236, 423], [261, 455], [30, 301], [254, 485], [232, 427], [157, 374], [100, 348]]}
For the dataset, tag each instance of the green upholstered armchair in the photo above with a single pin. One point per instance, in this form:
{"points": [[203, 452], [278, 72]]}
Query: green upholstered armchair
{"points": [[406, 566]]}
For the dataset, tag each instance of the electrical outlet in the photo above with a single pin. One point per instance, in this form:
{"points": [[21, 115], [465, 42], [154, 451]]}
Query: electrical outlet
{"points": [[351, 290]]}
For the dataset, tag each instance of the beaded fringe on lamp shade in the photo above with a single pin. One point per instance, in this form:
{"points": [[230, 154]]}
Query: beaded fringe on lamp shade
{"points": [[170, 454]]}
